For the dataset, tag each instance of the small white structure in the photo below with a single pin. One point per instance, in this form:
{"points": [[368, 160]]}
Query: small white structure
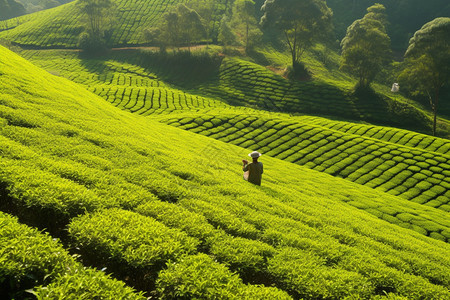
{"points": [[395, 88]]}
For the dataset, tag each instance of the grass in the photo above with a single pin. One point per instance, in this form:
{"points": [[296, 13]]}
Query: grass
{"points": [[69, 158]]}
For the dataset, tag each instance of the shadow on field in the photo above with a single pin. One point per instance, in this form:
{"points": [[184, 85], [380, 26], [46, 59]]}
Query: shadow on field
{"points": [[94, 63], [382, 110], [180, 68]]}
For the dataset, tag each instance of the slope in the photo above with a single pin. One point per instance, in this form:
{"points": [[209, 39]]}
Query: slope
{"points": [[396, 161], [142, 194], [231, 80], [60, 27], [399, 162]]}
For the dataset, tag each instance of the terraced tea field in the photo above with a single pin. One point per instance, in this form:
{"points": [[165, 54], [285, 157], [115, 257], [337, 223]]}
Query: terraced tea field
{"points": [[410, 165], [96, 177], [235, 82], [127, 86], [60, 27], [403, 163]]}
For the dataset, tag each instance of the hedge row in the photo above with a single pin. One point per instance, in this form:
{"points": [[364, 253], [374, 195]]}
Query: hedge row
{"points": [[33, 262]]}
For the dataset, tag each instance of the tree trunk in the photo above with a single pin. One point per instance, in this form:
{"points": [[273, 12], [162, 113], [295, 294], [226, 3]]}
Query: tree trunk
{"points": [[434, 122], [435, 107], [246, 37]]}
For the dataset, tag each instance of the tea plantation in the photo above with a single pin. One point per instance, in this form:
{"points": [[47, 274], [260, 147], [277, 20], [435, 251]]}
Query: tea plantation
{"points": [[341, 149], [127, 206], [399, 162], [60, 27], [234, 81]]}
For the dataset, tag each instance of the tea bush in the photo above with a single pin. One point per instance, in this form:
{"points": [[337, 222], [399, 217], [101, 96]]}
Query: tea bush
{"points": [[128, 238], [33, 260], [201, 277]]}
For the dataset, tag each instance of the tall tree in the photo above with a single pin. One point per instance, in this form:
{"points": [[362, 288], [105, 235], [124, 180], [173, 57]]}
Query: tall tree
{"points": [[300, 21], [180, 26], [244, 22], [427, 63], [226, 35], [366, 46], [206, 9], [192, 28], [97, 15]]}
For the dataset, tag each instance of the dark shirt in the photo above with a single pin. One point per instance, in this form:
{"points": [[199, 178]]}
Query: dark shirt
{"points": [[255, 171]]}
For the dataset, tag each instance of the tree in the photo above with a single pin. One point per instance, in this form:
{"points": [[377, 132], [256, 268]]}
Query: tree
{"points": [[244, 22], [226, 34], [426, 68], [180, 26], [192, 28], [205, 8], [366, 46], [301, 21], [98, 17], [153, 36]]}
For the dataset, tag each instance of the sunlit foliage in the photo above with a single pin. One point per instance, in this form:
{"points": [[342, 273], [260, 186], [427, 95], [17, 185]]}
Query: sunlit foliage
{"points": [[427, 63], [366, 46]]}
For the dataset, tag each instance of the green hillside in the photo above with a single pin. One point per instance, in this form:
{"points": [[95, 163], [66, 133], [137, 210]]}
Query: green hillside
{"points": [[399, 162], [231, 80], [167, 211], [410, 165], [60, 27]]}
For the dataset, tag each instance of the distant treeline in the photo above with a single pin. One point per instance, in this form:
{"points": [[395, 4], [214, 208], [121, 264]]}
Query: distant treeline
{"points": [[405, 16]]}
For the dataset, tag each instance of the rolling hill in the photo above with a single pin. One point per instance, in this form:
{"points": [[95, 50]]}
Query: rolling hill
{"points": [[61, 26], [230, 80], [238, 82], [411, 165], [167, 212], [120, 174]]}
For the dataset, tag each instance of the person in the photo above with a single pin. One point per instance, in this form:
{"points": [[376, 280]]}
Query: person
{"points": [[254, 169]]}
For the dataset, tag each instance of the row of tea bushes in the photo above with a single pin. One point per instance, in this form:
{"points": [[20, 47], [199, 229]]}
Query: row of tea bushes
{"points": [[103, 70], [248, 84], [388, 134], [34, 263], [200, 277], [416, 174], [123, 79], [124, 85]]}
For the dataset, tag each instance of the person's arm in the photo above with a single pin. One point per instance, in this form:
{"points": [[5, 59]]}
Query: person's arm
{"points": [[244, 165], [262, 168]]}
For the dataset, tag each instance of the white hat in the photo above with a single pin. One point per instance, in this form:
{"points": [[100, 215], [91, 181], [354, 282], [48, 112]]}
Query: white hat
{"points": [[255, 154]]}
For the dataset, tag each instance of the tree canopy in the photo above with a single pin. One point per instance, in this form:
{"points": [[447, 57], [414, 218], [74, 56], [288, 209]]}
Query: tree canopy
{"points": [[427, 62], [179, 27], [404, 16], [301, 21], [244, 22], [97, 18], [366, 46]]}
